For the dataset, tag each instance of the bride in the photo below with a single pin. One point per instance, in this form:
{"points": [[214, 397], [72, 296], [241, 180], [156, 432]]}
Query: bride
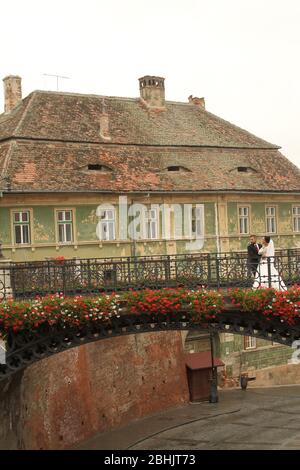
{"points": [[266, 274]]}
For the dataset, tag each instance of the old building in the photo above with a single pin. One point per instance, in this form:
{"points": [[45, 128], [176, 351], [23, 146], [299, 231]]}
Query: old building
{"points": [[64, 154], [72, 165]]}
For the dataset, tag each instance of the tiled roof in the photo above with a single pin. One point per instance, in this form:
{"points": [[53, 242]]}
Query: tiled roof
{"points": [[49, 166], [74, 117], [49, 139]]}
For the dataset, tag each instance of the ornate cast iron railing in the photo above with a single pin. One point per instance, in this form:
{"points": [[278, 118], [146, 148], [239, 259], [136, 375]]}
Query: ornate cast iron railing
{"points": [[88, 276], [25, 348]]}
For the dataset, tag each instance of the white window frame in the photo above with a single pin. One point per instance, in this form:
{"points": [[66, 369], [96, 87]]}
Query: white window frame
{"points": [[64, 222], [296, 219], [271, 219], [150, 223], [107, 224], [249, 342], [22, 224], [244, 220]]}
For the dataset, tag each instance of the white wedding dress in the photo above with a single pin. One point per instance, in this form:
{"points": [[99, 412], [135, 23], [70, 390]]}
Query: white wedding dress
{"points": [[266, 274]]}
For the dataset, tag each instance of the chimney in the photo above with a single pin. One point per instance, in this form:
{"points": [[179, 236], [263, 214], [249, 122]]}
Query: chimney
{"points": [[152, 91], [12, 92], [197, 101]]}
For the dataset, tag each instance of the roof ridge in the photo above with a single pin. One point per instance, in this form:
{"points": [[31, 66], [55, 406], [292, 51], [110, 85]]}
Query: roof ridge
{"points": [[8, 117], [123, 98], [88, 95], [7, 158], [30, 99]]}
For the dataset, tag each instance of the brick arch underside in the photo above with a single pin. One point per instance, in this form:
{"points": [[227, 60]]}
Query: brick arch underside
{"points": [[69, 397], [84, 386]]}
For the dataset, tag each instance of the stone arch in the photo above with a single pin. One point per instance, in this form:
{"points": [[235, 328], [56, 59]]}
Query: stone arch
{"points": [[25, 349]]}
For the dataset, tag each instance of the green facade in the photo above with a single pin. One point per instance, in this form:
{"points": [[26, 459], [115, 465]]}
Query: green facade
{"points": [[43, 226], [5, 230], [236, 358], [86, 222], [44, 241], [239, 360]]}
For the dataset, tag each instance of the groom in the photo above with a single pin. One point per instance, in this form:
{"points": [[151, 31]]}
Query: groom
{"points": [[253, 256]]}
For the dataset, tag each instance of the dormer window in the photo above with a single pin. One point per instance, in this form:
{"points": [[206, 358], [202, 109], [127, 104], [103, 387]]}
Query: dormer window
{"points": [[176, 168], [98, 167], [244, 169]]}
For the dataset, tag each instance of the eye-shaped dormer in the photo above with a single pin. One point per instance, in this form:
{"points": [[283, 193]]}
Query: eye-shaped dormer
{"points": [[98, 167], [244, 169], [94, 168], [176, 168]]}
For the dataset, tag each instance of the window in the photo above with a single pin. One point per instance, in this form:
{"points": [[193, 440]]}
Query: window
{"points": [[97, 167], [107, 224], [249, 342], [21, 221], [65, 226], [150, 224], [296, 219], [244, 169], [271, 219], [243, 220], [177, 168], [198, 221]]}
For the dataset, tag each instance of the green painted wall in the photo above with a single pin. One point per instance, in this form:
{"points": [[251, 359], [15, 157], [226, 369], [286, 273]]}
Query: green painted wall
{"points": [[264, 355], [209, 245], [258, 220], [284, 218], [209, 217], [150, 248], [88, 244], [44, 230], [5, 235], [257, 217], [86, 223], [232, 218], [261, 358]]}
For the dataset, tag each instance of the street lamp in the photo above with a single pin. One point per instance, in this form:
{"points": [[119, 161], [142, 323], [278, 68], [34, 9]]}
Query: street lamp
{"points": [[214, 398]]}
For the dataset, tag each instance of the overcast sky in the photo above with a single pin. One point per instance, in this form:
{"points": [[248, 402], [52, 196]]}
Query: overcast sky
{"points": [[242, 56]]}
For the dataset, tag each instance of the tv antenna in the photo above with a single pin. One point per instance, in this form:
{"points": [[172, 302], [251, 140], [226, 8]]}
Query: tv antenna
{"points": [[57, 78]]}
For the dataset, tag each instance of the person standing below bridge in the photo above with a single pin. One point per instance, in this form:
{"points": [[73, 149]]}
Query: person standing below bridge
{"points": [[253, 254]]}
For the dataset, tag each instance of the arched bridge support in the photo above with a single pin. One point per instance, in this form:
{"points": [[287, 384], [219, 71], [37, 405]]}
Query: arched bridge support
{"points": [[25, 348], [96, 387]]}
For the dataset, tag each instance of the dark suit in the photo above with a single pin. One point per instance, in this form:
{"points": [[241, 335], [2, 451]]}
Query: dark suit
{"points": [[253, 256]]}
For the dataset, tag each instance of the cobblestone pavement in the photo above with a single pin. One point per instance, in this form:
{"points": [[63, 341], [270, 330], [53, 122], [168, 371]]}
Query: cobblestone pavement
{"points": [[265, 418]]}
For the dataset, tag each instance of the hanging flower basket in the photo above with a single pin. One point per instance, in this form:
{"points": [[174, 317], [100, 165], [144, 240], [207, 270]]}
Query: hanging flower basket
{"points": [[198, 306]]}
